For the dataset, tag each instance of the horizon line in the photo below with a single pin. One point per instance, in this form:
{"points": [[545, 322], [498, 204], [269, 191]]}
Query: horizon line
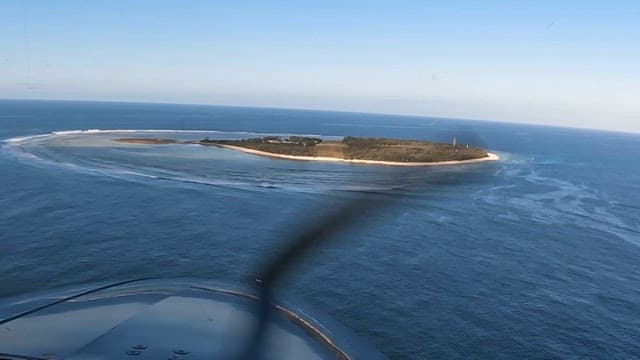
{"points": [[275, 107]]}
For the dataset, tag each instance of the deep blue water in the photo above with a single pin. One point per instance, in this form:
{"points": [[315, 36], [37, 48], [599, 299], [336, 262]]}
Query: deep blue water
{"points": [[535, 256]]}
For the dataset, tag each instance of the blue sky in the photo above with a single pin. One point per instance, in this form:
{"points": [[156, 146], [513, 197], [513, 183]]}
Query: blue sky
{"points": [[571, 63]]}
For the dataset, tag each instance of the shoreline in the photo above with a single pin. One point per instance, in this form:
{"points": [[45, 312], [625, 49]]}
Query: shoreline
{"points": [[489, 157]]}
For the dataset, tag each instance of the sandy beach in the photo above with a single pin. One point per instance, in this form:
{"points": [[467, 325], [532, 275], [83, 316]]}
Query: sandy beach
{"points": [[490, 157]]}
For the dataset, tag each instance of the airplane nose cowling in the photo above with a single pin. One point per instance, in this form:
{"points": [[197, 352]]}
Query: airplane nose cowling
{"points": [[164, 319]]}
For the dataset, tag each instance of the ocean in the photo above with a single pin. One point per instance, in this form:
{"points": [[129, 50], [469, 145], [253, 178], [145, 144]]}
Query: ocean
{"points": [[534, 256]]}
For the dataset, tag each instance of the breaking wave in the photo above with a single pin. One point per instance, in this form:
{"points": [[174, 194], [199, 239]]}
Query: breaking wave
{"points": [[95, 152]]}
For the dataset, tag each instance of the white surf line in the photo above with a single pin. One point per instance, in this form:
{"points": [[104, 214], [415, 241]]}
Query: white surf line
{"points": [[131, 131], [490, 157]]}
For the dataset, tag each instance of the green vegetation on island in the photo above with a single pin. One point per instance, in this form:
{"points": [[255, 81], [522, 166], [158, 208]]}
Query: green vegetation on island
{"points": [[357, 148], [293, 145], [349, 148]]}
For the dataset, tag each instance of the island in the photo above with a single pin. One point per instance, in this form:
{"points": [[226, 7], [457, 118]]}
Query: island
{"points": [[364, 150]]}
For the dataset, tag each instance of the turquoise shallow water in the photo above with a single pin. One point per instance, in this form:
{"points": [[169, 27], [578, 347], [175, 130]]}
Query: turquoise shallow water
{"points": [[534, 256]]}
